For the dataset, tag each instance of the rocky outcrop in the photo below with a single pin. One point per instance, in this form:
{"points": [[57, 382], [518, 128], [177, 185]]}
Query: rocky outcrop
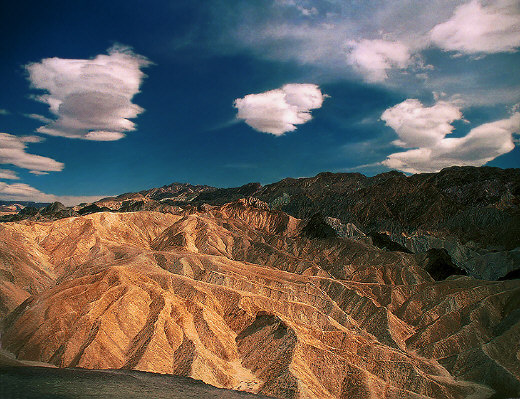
{"points": [[236, 296], [488, 264]]}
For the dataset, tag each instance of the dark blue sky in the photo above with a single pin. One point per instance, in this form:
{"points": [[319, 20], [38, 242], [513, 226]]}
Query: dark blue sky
{"points": [[205, 55]]}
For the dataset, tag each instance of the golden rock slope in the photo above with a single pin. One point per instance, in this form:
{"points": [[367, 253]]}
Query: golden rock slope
{"points": [[236, 297]]}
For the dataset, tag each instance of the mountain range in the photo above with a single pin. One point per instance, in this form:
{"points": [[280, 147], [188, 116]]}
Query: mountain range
{"points": [[334, 286]]}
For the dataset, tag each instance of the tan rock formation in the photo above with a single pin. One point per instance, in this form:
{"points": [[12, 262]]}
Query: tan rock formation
{"points": [[237, 297]]}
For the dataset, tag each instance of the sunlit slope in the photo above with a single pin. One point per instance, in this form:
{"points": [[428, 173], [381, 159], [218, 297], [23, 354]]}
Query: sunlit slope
{"points": [[237, 296]]}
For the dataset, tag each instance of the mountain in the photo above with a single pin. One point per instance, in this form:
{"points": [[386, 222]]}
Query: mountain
{"points": [[470, 203], [472, 213], [250, 298], [174, 193]]}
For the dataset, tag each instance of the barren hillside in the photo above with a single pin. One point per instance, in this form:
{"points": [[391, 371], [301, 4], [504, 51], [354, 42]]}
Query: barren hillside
{"points": [[238, 296]]}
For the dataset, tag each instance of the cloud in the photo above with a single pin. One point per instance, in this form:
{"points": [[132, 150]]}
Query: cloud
{"points": [[38, 117], [25, 192], [12, 151], [339, 36], [278, 111], [373, 58], [478, 27], [91, 99], [4, 112], [104, 136], [8, 174], [419, 126], [480, 146]]}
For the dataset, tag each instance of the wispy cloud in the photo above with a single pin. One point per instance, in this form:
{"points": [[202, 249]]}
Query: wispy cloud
{"points": [[8, 174], [25, 192], [91, 98], [370, 38], [4, 111], [39, 117], [279, 111], [13, 151]]}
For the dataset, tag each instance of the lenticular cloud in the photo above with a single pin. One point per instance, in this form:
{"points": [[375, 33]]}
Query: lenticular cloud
{"points": [[278, 111], [91, 99]]}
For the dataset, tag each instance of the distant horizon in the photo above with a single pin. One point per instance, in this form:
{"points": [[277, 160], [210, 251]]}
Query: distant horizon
{"points": [[3, 201]]}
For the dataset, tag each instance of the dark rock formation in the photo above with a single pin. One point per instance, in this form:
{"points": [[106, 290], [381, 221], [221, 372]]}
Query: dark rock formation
{"points": [[383, 241], [57, 210], [317, 227], [438, 264], [221, 196], [92, 208]]}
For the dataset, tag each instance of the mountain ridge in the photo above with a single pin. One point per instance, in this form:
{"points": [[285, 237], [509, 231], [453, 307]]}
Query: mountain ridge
{"points": [[473, 213]]}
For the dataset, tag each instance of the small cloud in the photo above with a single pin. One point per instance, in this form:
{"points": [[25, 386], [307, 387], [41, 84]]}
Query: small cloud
{"points": [[12, 151], [38, 172], [278, 111], [104, 136], [8, 174], [25, 192], [480, 28], [4, 112], [92, 99], [373, 58], [38, 117]]}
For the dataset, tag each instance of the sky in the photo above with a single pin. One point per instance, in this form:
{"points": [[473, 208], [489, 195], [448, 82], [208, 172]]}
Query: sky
{"points": [[99, 98]]}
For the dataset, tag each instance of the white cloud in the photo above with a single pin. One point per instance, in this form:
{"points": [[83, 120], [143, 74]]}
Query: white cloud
{"points": [[480, 146], [104, 136], [373, 58], [8, 174], [12, 151], [480, 27], [25, 192], [373, 37], [278, 111], [38, 117], [419, 126], [4, 112], [92, 99]]}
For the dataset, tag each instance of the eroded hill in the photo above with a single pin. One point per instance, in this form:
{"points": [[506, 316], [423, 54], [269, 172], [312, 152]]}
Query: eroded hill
{"points": [[241, 297]]}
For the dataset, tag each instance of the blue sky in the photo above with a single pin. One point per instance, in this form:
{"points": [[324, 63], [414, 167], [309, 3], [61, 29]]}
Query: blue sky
{"points": [[100, 98]]}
